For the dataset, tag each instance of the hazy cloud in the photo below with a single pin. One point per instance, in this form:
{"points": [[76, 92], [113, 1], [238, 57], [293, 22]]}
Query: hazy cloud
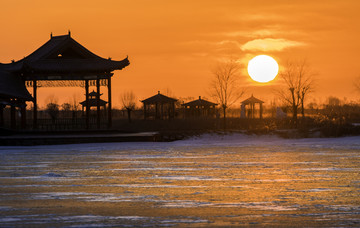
{"points": [[254, 34], [270, 44]]}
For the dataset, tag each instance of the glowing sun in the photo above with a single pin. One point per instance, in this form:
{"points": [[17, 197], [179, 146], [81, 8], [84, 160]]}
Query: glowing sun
{"points": [[263, 68]]}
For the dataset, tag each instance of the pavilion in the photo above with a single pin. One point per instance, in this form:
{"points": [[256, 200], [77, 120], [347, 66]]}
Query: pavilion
{"points": [[199, 108], [93, 101], [159, 106], [250, 113], [61, 62], [13, 93]]}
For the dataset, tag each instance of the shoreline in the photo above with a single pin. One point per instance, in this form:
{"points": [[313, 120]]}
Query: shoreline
{"points": [[35, 138]]}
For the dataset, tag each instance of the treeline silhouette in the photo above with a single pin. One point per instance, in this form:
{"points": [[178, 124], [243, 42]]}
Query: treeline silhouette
{"points": [[333, 118]]}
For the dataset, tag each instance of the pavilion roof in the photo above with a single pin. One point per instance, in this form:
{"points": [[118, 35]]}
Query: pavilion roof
{"points": [[159, 98], [252, 100], [11, 86], [62, 54], [93, 102], [199, 102], [93, 93]]}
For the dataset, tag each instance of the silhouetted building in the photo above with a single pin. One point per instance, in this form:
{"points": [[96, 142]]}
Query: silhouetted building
{"points": [[250, 112], [13, 93], [199, 108], [64, 62], [93, 102], [159, 107]]}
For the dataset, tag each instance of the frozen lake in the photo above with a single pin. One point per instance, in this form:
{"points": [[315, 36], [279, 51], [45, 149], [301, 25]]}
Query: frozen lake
{"points": [[233, 180]]}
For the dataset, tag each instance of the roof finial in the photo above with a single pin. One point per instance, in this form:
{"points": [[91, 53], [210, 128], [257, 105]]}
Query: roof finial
{"points": [[199, 97], [69, 32], [51, 35], [158, 92]]}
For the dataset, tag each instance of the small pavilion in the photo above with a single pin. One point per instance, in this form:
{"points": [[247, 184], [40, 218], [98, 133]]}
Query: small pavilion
{"points": [[93, 101], [13, 93], [63, 62], [250, 111], [199, 108], [159, 107]]}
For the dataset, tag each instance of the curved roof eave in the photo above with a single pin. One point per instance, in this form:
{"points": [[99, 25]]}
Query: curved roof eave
{"points": [[55, 45], [11, 86]]}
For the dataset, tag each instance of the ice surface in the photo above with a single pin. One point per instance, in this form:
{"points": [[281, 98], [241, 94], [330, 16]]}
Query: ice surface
{"points": [[230, 140], [211, 180]]}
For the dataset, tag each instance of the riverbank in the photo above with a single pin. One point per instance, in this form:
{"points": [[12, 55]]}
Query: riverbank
{"points": [[178, 129], [51, 138]]}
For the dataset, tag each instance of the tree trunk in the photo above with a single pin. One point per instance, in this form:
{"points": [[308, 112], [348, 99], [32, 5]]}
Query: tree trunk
{"points": [[294, 107], [302, 109], [295, 115], [129, 114], [224, 118]]}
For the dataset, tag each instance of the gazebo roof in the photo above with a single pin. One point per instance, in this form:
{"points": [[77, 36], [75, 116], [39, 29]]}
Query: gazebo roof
{"points": [[199, 102], [159, 98], [252, 100], [63, 55], [93, 93], [92, 102], [11, 86]]}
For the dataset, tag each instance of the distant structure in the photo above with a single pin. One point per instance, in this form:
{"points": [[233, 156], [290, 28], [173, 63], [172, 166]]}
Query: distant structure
{"points": [[13, 93], [64, 62], [199, 108], [280, 114], [92, 102], [250, 112], [159, 107]]}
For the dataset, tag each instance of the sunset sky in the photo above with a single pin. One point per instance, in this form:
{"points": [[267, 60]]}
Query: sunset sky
{"points": [[173, 45]]}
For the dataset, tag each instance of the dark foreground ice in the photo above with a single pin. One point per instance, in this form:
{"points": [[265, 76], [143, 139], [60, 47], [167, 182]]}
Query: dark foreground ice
{"points": [[233, 180]]}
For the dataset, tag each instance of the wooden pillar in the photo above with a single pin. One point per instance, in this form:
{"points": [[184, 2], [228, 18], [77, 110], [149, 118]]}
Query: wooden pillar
{"points": [[2, 115], [35, 105], [261, 110], [252, 111], [173, 110], [156, 110], [98, 103], [23, 115], [87, 108], [12, 115], [242, 111], [161, 111], [109, 103], [144, 111], [247, 113]]}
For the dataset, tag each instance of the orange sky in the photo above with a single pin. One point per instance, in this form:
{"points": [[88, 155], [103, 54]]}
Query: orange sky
{"points": [[173, 45]]}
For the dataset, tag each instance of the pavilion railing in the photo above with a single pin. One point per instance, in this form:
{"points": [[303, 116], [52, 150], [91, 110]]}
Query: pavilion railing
{"points": [[63, 124]]}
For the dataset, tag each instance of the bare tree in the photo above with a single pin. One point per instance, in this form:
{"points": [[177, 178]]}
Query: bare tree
{"points": [[168, 92], [333, 101], [357, 84], [52, 107], [66, 107], [52, 99], [53, 110], [224, 86], [74, 102], [74, 105], [128, 100], [298, 83]]}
